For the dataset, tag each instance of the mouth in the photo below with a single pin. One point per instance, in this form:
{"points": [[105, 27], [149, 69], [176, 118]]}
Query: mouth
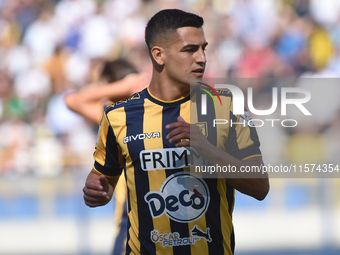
{"points": [[198, 72]]}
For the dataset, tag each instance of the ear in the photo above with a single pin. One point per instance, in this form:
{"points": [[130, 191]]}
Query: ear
{"points": [[158, 55]]}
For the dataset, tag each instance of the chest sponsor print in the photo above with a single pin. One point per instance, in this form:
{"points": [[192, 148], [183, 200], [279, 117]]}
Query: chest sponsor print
{"points": [[169, 158], [183, 197]]}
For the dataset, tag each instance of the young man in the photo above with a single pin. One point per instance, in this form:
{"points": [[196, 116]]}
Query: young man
{"points": [[118, 80], [170, 210]]}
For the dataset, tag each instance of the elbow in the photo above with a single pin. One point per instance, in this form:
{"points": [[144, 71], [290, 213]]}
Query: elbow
{"points": [[262, 192], [261, 196], [70, 101]]}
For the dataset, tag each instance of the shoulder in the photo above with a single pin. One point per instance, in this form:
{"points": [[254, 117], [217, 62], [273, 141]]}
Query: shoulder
{"points": [[225, 96], [215, 92], [224, 92], [133, 101]]}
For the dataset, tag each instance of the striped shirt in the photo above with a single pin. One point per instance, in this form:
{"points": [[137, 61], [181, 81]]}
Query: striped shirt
{"points": [[170, 210]]}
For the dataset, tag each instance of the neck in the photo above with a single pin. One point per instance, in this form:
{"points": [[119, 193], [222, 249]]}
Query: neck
{"points": [[167, 90]]}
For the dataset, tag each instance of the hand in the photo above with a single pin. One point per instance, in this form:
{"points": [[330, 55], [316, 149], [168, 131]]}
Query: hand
{"points": [[96, 192], [191, 135]]}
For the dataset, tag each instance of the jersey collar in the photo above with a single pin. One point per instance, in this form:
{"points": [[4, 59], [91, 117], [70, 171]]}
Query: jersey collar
{"points": [[165, 103]]}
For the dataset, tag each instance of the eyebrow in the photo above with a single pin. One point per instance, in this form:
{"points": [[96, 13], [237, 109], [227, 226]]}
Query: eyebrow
{"points": [[194, 46]]}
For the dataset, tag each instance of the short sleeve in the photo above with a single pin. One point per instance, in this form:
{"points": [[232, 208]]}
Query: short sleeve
{"points": [[243, 141], [108, 157]]}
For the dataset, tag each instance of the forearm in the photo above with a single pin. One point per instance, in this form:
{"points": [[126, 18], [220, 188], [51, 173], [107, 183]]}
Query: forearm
{"points": [[254, 184], [115, 91], [87, 103]]}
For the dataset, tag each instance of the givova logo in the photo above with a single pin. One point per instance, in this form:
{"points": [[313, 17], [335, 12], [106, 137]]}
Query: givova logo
{"points": [[183, 197]]}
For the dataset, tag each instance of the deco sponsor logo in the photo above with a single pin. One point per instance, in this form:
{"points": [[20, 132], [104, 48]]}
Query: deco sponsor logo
{"points": [[183, 197]]}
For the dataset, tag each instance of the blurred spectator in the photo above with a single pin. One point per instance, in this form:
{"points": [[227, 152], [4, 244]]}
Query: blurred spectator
{"points": [[254, 21], [60, 119], [77, 68], [71, 13], [119, 10], [12, 107], [17, 60], [49, 47], [32, 85], [229, 47], [10, 29], [96, 36], [26, 12], [321, 48], [325, 12], [41, 36], [16, 138], [292, 38], [55, 67]]}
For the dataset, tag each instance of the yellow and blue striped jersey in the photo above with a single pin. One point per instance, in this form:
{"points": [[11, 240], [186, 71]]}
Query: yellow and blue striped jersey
{"points": [[170, 210]]}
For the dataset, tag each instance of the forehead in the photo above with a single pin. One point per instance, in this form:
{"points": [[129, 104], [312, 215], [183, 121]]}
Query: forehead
{"points": [[189, 35]]}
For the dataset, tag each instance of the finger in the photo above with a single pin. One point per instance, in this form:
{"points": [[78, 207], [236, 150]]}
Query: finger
{"points": [[104, 182], [94, 184], [178, 131], [91, 204], [180, 119], [176, 125], [180, 136], [94, 204], [94, 193], [183, 144], [95, 199]]}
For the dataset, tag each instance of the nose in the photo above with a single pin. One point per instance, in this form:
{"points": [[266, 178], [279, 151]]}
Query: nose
{"points": [[200, 57]]}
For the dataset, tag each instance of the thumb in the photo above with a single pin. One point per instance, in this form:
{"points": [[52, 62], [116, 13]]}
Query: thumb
{"points": [[104, 182], [180, 119]]}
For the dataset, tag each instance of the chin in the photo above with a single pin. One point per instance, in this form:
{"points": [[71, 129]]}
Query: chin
{"points": [[194, 81]]}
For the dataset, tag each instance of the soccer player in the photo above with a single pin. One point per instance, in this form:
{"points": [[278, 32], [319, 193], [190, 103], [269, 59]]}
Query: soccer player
{"points": [[170, 210], [118, 80]]}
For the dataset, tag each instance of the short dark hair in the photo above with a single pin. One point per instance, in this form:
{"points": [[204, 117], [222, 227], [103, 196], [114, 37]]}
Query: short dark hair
{"points": [[117, 70], [166, 22]]}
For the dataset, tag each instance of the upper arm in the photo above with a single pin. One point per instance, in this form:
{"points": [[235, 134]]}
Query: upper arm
{"points": [[242, 141], [108, 155]]}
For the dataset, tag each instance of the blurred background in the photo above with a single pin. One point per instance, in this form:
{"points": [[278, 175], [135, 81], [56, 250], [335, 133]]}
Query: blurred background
{"points": [[51, 47]]}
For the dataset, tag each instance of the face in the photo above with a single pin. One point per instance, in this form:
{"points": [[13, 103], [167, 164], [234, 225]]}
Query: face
{"points": [[185, 57]]}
